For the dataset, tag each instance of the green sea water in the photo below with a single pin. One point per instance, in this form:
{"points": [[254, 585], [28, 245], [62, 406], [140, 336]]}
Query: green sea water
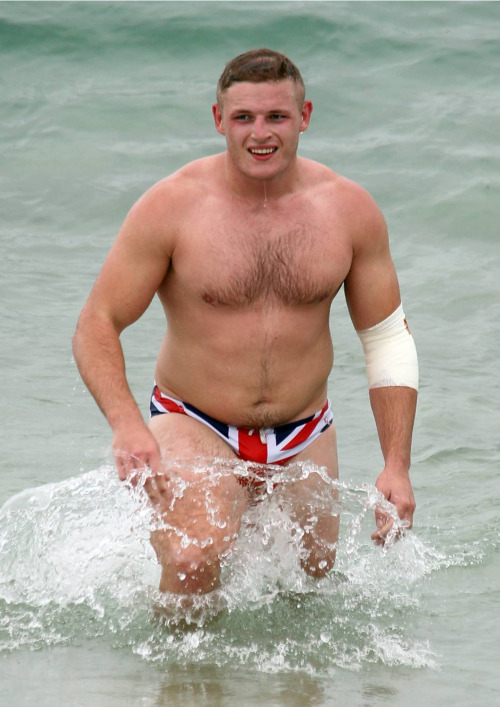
{"points": [[99, 101]]}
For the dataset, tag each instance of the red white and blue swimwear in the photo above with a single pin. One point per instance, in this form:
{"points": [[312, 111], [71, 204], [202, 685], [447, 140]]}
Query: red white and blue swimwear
{"points": [[270, 445]]}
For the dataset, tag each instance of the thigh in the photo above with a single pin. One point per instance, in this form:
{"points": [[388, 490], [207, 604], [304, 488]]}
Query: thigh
{"points": [[182, 437], [198, 493], [313, 501]]}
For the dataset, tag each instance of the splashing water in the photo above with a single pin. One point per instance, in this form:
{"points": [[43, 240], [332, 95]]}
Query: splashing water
{"points": [[76, 563]]}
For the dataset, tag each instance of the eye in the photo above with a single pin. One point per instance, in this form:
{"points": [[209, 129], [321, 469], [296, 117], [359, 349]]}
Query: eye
{"points": [[277, 116], [242, 118]]}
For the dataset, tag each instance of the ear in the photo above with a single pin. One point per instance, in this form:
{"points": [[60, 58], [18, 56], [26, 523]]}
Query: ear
{"points": [[307, 108], [216, 112]]}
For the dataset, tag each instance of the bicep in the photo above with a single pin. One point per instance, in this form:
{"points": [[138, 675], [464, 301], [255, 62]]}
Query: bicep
{"points": [[132, 272], [371, 287]]}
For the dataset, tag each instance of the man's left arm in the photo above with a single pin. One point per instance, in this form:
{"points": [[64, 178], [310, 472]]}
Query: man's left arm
{"points": [[394, 411], [373, 298]]}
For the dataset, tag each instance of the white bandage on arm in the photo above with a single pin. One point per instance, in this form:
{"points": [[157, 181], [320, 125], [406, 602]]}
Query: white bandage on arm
{"points": [[390, 353]]}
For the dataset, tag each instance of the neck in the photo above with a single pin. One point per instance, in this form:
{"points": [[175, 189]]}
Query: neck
{"points": [[260, 191]]}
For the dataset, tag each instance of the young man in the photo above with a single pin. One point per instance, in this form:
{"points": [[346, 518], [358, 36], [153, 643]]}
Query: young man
{"points": [[246, 251]]}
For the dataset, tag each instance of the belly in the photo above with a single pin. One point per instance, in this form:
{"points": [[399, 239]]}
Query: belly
{"points": [[252, 371]]}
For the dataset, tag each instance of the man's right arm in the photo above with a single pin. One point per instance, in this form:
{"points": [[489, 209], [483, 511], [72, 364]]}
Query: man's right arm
{"points": [[130, 276]]}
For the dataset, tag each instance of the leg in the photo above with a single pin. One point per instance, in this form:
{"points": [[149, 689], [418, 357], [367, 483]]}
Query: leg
{"points": [[313, 505], [202, 508]]}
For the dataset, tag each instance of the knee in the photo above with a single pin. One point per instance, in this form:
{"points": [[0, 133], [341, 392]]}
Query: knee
{"points": [[186, 567], [319, 546], [194, 563], [318, 567]]}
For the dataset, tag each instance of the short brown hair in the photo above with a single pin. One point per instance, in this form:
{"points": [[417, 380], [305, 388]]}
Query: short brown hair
{"points": [[259, 65]]}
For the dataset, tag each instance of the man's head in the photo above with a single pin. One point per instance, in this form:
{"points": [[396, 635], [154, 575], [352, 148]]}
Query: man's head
{"points": [[261, 111], [257, 66]]}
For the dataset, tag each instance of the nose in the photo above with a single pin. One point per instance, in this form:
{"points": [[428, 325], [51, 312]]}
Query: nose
{"points": [[260, 130]]}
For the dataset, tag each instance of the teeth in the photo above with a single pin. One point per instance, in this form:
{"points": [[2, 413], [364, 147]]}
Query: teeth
{"points": [[262, 150]]}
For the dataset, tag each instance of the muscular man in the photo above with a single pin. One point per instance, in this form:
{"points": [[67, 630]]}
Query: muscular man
{"points": [[246, 251]]}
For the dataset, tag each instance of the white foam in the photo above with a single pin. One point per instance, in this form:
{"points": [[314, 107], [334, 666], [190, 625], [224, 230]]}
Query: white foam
{"points": [[76, 560]]}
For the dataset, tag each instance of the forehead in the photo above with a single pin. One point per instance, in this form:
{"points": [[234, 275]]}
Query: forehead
{"points": [[265, 95]]}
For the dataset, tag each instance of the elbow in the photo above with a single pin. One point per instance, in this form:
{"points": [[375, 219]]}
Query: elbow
{"points": [[93, 326], [86, 324], [76, 339]]}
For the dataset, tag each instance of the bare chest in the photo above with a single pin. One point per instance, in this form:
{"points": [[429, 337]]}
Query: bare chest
{"points": [[277, 260]]}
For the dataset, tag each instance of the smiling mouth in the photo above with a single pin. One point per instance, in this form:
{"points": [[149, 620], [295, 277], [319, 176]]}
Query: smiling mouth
{"points": [[262, 151]]}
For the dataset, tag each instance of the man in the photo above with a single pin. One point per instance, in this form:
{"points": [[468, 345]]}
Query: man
{"points": [[246, 251]]}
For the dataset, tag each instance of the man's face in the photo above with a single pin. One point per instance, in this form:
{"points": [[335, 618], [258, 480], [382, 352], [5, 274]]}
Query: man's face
{"points": [[261, 123]]}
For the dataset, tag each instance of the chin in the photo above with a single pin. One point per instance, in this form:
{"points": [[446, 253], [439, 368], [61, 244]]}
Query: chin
{"points": [[265, 172]]}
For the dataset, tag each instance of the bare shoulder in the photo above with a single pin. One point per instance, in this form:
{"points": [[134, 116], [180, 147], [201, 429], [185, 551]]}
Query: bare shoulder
{"points": [[348, 201], [336, 186], [170, 196], [140, 256], [366, 221]]}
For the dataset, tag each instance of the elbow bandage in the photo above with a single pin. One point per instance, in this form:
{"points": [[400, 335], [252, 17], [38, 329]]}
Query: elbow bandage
{"points": [[390, 353]]}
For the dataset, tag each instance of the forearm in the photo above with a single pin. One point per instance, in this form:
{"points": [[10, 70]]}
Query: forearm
{"points": [[394, 411], [99, 357]]}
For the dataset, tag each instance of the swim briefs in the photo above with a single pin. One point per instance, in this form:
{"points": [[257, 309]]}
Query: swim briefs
{"points": [[270, 445]]}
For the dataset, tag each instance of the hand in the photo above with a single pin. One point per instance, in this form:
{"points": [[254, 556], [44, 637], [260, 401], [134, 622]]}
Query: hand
{"points": [[395, 485], [135, 448]]}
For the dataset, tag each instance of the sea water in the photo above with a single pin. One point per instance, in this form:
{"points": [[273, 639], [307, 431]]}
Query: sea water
{"points": [[100, 100], [77, 562]]}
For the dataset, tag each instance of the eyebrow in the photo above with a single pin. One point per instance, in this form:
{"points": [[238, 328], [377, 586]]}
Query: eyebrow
{"points": [[268, 112]]}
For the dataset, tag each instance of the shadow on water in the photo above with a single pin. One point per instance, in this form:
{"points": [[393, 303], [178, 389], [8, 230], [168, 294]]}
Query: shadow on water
{"points": [[76, 564]]}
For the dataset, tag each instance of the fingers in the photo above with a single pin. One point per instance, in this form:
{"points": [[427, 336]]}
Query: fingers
{"points": [[126, 465], [156, 486], [396, 488], [135, 450], [131, 466], [384, 524], [137, 473]]}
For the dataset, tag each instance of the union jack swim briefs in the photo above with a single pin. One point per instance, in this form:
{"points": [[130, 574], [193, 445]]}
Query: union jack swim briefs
{"points": [[270, 445]]}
